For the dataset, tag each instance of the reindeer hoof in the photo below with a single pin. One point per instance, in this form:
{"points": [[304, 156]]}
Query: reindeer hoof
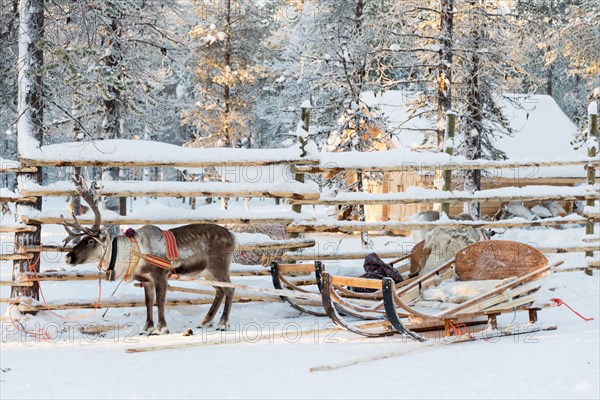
{"points": [[222, 326], [148, 330], [161, 331], [206, 325]]}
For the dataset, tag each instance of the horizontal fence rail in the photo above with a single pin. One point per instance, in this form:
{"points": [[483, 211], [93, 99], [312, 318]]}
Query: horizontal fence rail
{"points": [[529, 193], [184, 189], [356, 226], [349, 162]]}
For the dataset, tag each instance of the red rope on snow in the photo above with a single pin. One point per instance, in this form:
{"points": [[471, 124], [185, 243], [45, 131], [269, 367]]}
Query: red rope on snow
{"points": [[559, 303]]}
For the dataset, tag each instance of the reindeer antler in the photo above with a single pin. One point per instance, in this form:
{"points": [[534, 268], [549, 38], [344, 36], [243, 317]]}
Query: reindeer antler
{"points": [[90, 195]]}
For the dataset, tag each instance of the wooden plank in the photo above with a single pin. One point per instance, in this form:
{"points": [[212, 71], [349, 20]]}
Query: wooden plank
{"points": [[180, 189], [318, 255], [18, 199], [277, 245], [6, 169], [479, 299], [175, 164], [127, 220], [58, 276], [236, 298], [356, 226], [17, 229], [593, 263], [296, 268], [11, 283], [24, 307], [13, 257], [422, 167], [400, 198], [268, 245], [356, 282], [324, 256]]}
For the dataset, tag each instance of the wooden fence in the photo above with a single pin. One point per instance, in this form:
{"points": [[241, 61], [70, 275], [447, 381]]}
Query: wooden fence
{"points": [[296, 193]]}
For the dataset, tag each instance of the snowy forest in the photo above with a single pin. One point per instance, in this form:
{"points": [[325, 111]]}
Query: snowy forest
{"points": [[233, 73]]}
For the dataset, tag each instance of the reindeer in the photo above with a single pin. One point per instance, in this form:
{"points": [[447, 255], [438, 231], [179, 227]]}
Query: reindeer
{"points": [[205, 250]]}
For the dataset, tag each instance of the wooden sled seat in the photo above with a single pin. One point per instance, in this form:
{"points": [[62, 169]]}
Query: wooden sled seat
{"points": [[496, 277]]}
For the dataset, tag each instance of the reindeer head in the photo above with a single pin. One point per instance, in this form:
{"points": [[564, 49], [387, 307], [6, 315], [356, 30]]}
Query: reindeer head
{"points": [[91, 241]]}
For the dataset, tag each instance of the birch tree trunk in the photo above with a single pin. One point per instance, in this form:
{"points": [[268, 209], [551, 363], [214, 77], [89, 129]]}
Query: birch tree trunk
{"points": [[30, 128]]}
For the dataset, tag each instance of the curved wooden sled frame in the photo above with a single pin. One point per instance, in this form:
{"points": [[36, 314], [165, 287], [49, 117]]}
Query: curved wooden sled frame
{"points": [[281, 282]]}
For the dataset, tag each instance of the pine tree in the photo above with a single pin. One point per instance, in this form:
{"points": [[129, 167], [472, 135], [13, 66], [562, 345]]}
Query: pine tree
{"points": [[230, 46]]}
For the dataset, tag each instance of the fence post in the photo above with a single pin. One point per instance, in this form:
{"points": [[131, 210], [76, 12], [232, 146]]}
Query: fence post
{"points": [[303, 139], [593, 142], [449, 149]]}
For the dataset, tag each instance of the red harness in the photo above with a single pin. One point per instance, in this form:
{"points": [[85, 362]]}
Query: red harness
{"points": [[171, 250]]}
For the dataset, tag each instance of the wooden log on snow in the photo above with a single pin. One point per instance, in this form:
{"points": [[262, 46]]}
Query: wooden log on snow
{"points": [[56, 306]]}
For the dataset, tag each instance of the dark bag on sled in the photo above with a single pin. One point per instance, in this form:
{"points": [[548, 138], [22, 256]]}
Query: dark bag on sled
{"points": [[376, 268]]}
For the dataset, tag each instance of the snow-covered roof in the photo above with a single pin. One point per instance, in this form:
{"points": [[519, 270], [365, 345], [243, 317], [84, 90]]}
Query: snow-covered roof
{"points": [[541, 129]]}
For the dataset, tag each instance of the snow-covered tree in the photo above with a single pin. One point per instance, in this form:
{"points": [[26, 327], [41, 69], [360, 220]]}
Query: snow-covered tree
{"points": [[549, 34], [229, 43]]}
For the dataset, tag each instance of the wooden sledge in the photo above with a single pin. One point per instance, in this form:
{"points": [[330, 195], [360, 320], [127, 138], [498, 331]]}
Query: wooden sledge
{"points": [[520, 268]]}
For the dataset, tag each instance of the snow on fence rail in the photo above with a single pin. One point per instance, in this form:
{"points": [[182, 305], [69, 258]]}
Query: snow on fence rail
{"points": [[8, 196], [14, 166], [280, 188], [420, 195], [407, 161], [141, 153], [334, 226], [173, 217], [314, 254]]}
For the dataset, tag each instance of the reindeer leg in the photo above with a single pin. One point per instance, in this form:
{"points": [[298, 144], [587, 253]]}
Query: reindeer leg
{"points": [[210, 315], [161, 297], [149, 296], [223, 324]]}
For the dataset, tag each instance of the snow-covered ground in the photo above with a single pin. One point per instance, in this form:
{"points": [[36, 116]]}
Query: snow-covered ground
{"points": [[274, 345]]}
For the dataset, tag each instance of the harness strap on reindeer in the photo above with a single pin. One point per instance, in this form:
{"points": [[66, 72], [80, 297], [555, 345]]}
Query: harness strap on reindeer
{"points": [[135, 254]]}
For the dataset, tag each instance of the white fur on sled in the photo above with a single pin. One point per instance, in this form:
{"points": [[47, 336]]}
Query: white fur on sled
{"points": [[455, 292]]}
